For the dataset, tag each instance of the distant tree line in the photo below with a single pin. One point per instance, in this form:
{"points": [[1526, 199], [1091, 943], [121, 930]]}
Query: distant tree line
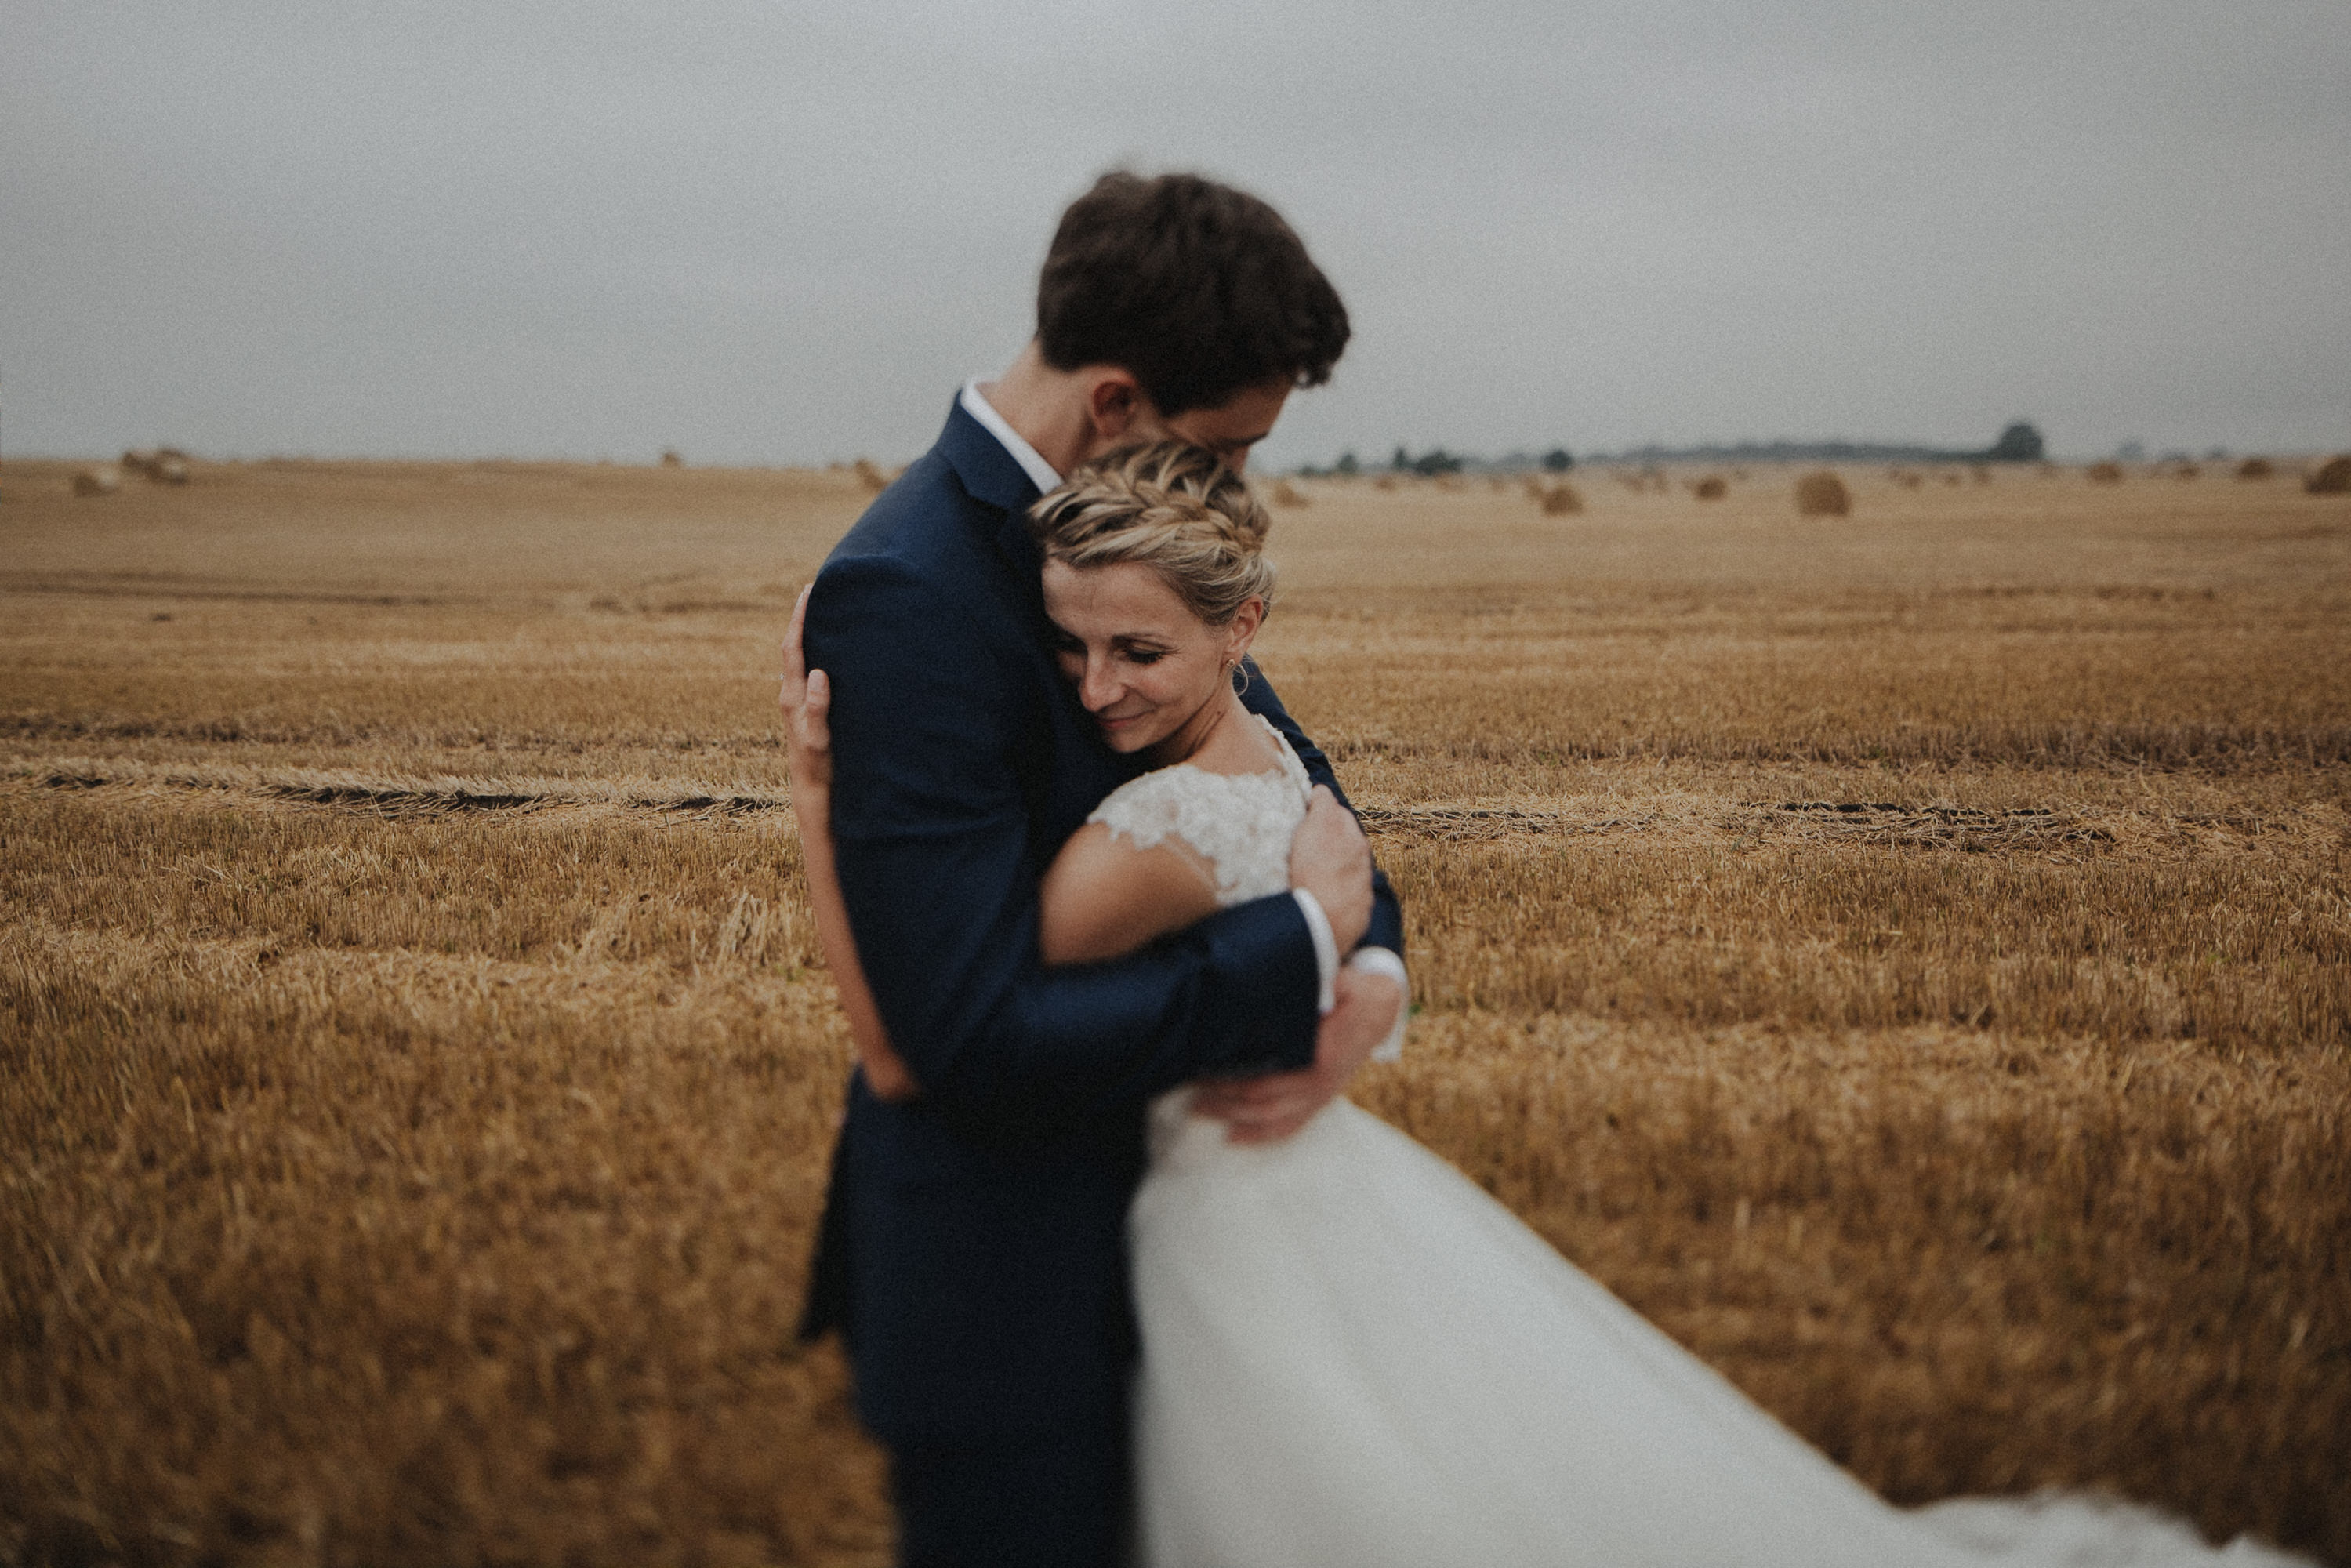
{"points": [[1437, 460], [2019, 442]]}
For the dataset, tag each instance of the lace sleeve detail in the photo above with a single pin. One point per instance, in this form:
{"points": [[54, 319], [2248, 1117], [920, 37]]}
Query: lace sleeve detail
{"points": [[1239, 825]]}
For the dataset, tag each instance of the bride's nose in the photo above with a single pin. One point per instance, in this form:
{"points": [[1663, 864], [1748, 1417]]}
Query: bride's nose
{"points": [[1099, 685]]}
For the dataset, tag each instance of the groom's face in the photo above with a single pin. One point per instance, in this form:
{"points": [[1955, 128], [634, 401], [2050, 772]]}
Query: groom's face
{"points": [[1230, 429]]}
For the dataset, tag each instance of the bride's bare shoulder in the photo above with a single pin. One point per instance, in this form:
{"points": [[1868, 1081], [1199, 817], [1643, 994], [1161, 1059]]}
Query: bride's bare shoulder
{"points": [[1250, 745]]}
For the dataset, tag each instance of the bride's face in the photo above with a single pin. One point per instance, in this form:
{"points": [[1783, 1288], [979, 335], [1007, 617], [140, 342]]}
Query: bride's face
{"points": [[1145, 665]]}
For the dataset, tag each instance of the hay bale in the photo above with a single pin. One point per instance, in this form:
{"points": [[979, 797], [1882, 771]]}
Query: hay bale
{"points": [[1984, 473], [871, 476], [1286, 494], [2186, 471], [1908, 480], [161, 464], [670, 459], [1384, 482], [102, 480], [1561, 501], [2254, 468], [2104, 472], [1711, 488], [1822, 495], [2333, 479]]}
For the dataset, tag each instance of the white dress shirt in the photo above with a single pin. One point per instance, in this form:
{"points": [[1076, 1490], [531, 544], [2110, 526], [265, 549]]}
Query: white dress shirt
{"points": [[1369, 960]]}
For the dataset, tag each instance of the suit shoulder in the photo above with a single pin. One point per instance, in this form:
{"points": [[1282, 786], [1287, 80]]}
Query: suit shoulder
{"points": [[924, 516]]}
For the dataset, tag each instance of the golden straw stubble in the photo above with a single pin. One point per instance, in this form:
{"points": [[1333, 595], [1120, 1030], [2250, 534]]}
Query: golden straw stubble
{"points": [[1902, 951]]}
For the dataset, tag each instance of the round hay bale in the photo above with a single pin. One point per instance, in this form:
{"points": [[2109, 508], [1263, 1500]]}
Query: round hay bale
{"points": [[1822, 495], [137, 462], [2104, 472], [2333, 479], [1286, 494], [169, 468], [1561, 501], [103, 479], [1711, 488], [2186, 471], [2254, 468], [871, 476], [1384, 482], [670, 459]]}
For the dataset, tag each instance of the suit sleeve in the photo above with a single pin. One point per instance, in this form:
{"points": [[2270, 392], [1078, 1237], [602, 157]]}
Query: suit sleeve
{"points": [[932, 838], [1386, 929]]}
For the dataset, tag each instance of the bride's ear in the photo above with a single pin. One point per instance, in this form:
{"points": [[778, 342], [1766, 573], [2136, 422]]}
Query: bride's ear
{"points": [[1241, 630]]}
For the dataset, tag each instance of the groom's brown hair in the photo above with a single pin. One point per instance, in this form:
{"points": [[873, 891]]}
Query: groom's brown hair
{"points": [[1200, 290]]}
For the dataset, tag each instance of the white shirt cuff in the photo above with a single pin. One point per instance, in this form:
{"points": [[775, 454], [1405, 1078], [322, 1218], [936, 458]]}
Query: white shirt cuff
{"points": [[1326, 948], [1381, 961]]}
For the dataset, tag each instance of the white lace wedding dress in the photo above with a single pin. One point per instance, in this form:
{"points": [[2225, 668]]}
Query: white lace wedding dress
{"points": [[1354, 1356]]}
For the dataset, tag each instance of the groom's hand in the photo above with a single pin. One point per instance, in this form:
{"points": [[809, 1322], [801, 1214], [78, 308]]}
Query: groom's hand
{"points": [[1266, 1110], [1330, 858]]}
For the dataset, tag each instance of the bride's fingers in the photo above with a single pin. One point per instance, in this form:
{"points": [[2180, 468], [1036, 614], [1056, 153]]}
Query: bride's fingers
{"points": [[795, 655], [809, 728]]}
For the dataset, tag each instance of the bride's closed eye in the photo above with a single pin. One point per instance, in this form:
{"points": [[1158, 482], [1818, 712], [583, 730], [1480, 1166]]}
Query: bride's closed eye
{"points": [[1132, 652]]}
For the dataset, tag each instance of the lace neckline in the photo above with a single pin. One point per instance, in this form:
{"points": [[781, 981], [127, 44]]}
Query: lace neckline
{"points": [[1285, 765]]}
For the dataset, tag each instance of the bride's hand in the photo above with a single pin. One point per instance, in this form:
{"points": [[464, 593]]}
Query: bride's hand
{"points": [[806, 700]]}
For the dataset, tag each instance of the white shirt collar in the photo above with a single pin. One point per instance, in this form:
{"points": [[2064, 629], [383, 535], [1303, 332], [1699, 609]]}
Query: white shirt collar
{"points": [[1040, 473]]}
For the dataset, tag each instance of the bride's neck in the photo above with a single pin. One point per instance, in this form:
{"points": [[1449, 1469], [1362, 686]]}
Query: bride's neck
{"points": [[1218, 739]]}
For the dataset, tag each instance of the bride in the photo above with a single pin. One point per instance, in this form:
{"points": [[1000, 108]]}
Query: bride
{"points": [[1352, 1355]]}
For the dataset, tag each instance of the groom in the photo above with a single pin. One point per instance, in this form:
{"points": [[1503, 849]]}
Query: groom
{"points": [[973, 1249]]}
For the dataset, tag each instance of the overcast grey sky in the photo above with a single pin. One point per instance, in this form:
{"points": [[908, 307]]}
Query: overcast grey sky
{"points": [[784, 232]]}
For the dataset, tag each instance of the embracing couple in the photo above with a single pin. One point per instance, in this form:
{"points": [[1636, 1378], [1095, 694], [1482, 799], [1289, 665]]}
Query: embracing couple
{"points": [[1122, 1273]]}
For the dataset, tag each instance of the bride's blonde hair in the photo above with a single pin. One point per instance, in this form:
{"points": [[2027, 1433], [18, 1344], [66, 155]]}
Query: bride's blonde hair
{"points": [[1171, 507]]}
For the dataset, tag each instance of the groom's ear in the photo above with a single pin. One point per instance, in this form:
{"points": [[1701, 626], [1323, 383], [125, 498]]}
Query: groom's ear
{"points": [[1116, 407]]}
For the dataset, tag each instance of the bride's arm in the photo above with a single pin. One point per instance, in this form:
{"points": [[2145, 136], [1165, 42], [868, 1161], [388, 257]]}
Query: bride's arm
{"points": [[1103, 897], [806, 699]]}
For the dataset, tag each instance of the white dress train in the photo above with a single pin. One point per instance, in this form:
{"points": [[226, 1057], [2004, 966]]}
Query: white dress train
{"points": [[1354, 1356]]}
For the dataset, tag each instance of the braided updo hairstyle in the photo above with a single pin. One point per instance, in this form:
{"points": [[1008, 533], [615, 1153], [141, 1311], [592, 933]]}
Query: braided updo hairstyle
{"points": [[1171, 507]]}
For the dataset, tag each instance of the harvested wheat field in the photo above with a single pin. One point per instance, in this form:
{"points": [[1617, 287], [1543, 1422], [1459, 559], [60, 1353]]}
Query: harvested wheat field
{"points": [[1904, 953]]}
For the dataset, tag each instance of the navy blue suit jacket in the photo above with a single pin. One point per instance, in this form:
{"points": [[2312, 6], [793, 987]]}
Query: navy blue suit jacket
{"points": [[974, 1245]]}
